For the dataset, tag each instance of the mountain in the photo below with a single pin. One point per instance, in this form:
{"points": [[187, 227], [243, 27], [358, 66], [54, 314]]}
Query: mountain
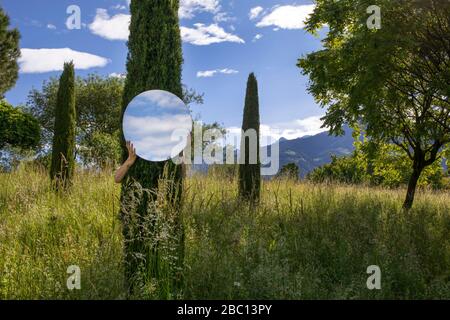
{"points": [[314, 151]]}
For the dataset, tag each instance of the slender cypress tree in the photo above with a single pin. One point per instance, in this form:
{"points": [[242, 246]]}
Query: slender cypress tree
{"points": [[154, 62], [63, 154], [250, 173], [9, 53]]}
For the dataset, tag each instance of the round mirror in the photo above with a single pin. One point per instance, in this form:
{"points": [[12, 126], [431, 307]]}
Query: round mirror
{"points": [[158, 124]]}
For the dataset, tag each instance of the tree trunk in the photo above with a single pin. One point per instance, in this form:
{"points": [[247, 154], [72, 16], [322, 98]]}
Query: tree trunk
{"points": [[412, 184]]}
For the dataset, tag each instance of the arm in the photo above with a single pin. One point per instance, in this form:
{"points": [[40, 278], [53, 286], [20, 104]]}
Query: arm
{"points": [[123, 170]]}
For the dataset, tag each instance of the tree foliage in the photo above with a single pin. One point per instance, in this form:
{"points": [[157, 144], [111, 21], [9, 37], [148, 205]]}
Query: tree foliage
{"points": [[63, 150], [289, 171], [9, 53], [250, 173], [101, 150], [395, 81], [17, 128]]}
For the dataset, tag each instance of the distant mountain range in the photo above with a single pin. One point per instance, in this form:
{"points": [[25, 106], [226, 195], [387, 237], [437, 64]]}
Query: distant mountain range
{"points": [[310, 152]]}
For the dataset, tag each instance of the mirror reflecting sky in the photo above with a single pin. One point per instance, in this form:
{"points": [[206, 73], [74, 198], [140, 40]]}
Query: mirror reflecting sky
{"points": [[157, 123]]}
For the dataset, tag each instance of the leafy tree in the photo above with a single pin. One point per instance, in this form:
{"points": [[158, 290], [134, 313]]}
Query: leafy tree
{"points": [[17, 128], [101, 150], [154, 62], [63, 151], [250, 173], [341, 170], [9, 53], [289, 171], [395, 81]]}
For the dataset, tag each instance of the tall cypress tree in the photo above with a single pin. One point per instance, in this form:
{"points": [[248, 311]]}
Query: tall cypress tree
{"points": [[9, 53], [154, 62], [250, 173], [63, 154]]}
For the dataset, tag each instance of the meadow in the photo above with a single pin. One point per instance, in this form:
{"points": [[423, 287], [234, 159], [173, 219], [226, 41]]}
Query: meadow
{"points": [[303, 241]]}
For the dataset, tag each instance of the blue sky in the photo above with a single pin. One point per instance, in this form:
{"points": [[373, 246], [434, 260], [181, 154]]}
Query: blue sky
{"points": [[223, 41]]}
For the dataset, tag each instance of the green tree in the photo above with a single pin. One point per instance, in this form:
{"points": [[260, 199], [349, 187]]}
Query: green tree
{"points": [[17, 128], [250, 166], [289, 171], [154, 62], [395, 81], [63, 151], [9, 53], [101, 150]]}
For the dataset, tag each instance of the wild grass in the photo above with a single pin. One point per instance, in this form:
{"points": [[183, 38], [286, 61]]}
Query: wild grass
{"points": [[303, 241]]}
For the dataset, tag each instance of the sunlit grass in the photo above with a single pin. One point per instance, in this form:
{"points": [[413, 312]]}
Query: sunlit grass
{"points": [[303, 241]]}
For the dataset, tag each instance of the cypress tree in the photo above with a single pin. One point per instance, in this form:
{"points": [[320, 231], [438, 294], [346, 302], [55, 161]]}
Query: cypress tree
{"points": [[63, 154], [9, 53], [250, 173], [154, 62]]}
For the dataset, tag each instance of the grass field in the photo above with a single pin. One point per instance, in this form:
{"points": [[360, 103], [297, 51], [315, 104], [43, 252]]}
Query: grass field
{"points": [[303, 241]]}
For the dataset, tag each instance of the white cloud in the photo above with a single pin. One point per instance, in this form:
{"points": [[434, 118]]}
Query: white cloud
{"points": [[188, 8], [257, 37], [294, 129], [162, 99], [202, 35], [212, 73], [157, 138], [157, 126], [117, 75], [119, 7], [117, 28], [223, 17], [111, 28], [51, 26], [255, 12], [289, 130], [206, 74], [47, 60], [287, 17]]}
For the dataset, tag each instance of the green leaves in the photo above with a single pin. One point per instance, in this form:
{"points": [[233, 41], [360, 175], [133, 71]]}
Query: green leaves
{"points": [[250, 173], [9, 53], [17, 128], [63, 151]]}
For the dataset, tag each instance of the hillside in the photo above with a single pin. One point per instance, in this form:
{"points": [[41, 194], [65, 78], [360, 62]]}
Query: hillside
{"points": [[314, 151]]}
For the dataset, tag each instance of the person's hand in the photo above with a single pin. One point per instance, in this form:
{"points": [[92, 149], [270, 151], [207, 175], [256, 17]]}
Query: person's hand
{"points": [[131, 154]]}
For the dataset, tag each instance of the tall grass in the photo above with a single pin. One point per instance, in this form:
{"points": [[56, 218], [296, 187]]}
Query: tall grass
{"points": [[303, 241]]}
